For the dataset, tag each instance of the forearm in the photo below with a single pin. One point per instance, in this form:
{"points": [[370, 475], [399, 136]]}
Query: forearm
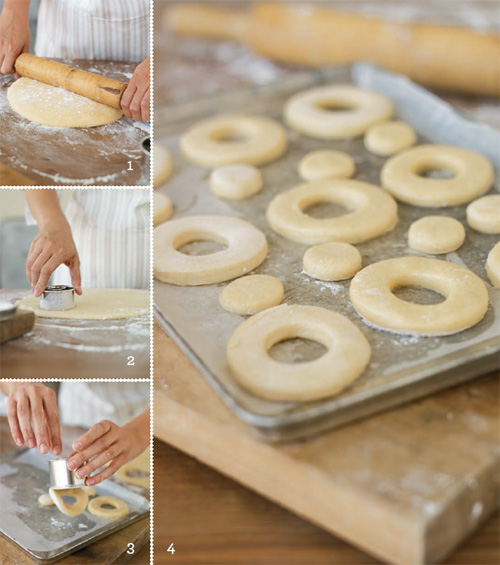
{"points": [[19, 8], [45, 208], [139, 430]]}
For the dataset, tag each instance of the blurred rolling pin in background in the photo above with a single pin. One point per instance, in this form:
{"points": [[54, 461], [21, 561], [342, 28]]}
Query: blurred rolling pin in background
{"points": [[442, 57]]}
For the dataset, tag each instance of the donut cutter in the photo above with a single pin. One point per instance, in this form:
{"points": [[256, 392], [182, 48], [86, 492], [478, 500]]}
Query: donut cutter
{"points": [[57, 297], [61, 476]]}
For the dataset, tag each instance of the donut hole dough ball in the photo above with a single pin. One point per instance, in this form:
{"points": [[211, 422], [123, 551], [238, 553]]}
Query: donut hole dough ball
{"points": [[81, 499], [389, 138], [332, 261], [246, 248], [117, 508], [403, 176], [374, 212], [326, 164], [436, 234], [336, 112], [466, 297], [45, 500], [162, 164], [483, 215], [234, 139], [249, 295], [248, 358], [162, 208], [235, 182], [493, 265]]}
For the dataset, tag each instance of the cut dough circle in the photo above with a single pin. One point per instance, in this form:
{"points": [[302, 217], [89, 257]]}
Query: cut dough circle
{"points": [[333, 261], [436, 234], [483, 215], [75, 509], [493, 265], [119, 510], [388, 138], [251, 294], [54, 106], [91, 491], [374, 212], [235, 182], [162, 164], [326, 164], [466, 297], [358, 109], [141, 463], [473, 175], [253, 368], [233, 139], [162, 208], [45, 500], [97, 304], [246, 249]]}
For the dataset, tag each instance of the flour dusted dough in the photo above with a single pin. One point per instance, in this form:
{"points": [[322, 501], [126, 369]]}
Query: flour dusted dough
{"points": [[162, 164], [493, 265], [388, 138], [119, 510], [249, 295], [97, 304], [54, 106], [141, 463], [235, 182], [162, 208], [436, 234], [483, 215], [75, 509], [333, 261], [326, 164]]}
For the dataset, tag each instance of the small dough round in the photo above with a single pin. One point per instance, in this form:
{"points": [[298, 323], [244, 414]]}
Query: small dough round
{"points": [[357, 110], [246, 249], [436, 234], [326, 164], [466, 297], [45, 500], [141, 463], [119, 510], [332, 261], [374, 212], [236, 182], [162, 208], [253, 368], [389, 138], [162, 164], [251, 294], [233, 139], [91, 491], [75, 509], [55, 106], [401, 176], [493, 265], [483, 215]]}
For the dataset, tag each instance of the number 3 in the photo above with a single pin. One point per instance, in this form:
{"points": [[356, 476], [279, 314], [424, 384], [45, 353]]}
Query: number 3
{"points": [[130, 548]]}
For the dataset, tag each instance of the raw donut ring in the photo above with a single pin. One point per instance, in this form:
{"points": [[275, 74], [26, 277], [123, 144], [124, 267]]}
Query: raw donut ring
{"points": [[388, 138], [247, 248], [75, 509], [251, 294], [45, 500], [332, 261], [326, 164], [230, 139], [493, 265], [371, 293], [141, 463], [436, 234], [375, 212], [483, 215], [401, 175], [235, 182], [162, 208], [119, 510], [307, 112], [162, 164], [248, 359]]}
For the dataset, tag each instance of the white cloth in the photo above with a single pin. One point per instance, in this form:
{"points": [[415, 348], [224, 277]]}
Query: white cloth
{"points": [[114, 30]]}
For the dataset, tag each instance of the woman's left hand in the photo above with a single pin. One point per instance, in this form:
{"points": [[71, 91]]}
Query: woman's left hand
{"points": [[136, 100]]}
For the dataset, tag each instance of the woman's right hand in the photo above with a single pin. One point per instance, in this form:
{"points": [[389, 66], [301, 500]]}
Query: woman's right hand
{"points": [[14, 33]]}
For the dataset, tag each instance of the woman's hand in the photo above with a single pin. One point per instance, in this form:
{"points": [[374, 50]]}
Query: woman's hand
{"points": [[136, 101], [14, 33]]}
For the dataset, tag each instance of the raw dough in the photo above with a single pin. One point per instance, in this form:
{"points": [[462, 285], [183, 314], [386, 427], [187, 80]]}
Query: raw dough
{"points": [[483, 215], [332, 261], [162, 164], [466, 297], [75, 509], [375, 212], [388, 138], [246, 249], [253, 368], [141, 463], [401, 175], [90, 491], [249, 295], [119, 510], [54, 106], [326, 164], [357, 109], [162, 208], [436, 234], [235, 182], [493, 265], [45, 500], [97, 304], [233, 139]]}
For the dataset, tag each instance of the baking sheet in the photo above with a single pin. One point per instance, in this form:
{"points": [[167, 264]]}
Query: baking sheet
{"points": [[402, 367], [44, 532]]}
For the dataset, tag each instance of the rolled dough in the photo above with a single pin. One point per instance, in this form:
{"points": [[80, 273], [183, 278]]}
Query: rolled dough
{"points": [[54, 106], [97, 304]]}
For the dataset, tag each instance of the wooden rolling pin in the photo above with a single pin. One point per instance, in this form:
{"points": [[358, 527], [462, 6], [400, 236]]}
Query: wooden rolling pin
{"points": [[443, 57], [101, 89]]}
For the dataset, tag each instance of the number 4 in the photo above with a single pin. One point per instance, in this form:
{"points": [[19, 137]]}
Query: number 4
{"points": [[171, 549]]}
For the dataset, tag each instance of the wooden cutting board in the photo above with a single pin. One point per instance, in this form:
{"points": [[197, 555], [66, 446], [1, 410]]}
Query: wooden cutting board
{"points": [[21, 323], [406, 486]]}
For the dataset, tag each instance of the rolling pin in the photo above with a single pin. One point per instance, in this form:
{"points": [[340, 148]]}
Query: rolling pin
{"points": [[101, 89], [442, 57]]}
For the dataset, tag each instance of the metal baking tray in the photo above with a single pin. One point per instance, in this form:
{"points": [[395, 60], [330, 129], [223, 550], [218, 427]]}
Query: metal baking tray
{"points": [[402, 367], [45, 533]]}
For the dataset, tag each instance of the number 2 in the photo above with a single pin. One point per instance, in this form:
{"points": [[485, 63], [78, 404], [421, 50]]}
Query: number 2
{"points": [[130, 361]]}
